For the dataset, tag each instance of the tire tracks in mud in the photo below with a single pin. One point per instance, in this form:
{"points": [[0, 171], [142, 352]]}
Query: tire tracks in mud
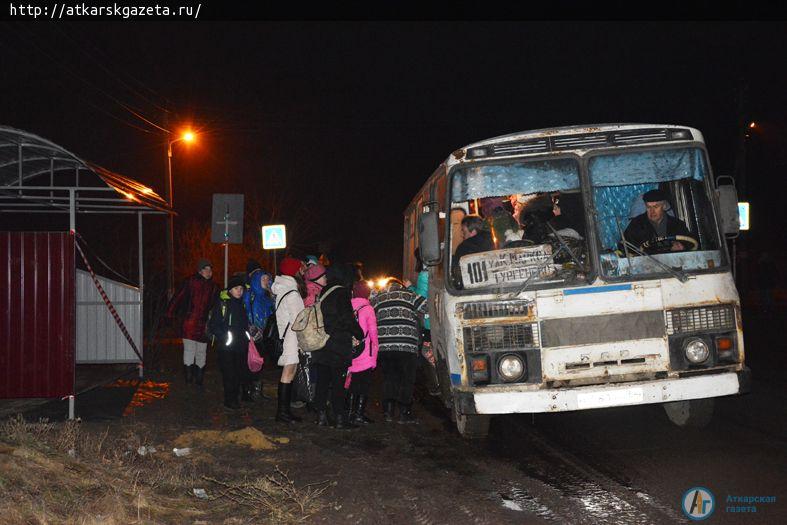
{"points": [[581, 492]]}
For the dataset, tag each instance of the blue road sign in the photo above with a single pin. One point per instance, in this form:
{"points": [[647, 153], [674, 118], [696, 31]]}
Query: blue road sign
{"points": [[274, 237]]}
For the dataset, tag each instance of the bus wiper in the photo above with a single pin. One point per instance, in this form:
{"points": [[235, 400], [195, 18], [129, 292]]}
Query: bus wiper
{"points": [[537, 271], [563, 245], [678, 274]]}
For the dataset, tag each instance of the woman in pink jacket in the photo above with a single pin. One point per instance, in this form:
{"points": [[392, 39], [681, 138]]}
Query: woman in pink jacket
{"points": [[360, 372]]}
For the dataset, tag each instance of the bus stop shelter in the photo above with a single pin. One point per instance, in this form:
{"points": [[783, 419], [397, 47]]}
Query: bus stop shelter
{"points": [[52, 314]]}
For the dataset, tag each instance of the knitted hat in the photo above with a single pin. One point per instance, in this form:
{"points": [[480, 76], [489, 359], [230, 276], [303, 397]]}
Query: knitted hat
{"points": [[290, 266], [654, 196], [236, 280], [252, 265], [314, 272]]}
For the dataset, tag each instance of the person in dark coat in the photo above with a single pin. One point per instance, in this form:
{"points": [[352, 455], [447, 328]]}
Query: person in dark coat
{"points": [[332, 361], [655, 223], [229, 325], [196, 296], [476, 239]]}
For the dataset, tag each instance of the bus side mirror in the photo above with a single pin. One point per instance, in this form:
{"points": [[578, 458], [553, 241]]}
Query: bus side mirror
{"points": [[429, 237], [728, 208]]}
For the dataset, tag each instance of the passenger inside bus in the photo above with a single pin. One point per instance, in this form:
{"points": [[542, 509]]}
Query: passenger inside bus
{"points": [[648, 229], [475, 238]]}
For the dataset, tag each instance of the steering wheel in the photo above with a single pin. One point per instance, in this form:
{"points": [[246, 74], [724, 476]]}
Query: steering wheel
{"points": [[664, 244]]}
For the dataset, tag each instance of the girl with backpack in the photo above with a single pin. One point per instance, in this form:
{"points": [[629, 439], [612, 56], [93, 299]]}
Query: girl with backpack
{"points": [[333, 360], [288, 305]]}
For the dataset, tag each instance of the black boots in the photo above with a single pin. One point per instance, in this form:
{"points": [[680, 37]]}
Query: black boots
{"points": [[188, 372], [283, 413], [322, 418], [199, 375], [245, 389], [406, 414], [343, 423], [389, 406], [357, 409]]}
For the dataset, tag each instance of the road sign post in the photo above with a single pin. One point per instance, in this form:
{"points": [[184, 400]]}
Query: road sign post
{"points": [[227, 223]]}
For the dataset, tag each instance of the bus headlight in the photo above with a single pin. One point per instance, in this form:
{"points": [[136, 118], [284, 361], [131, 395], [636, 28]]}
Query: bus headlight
{"points": [[696, 351], [511, 368]]}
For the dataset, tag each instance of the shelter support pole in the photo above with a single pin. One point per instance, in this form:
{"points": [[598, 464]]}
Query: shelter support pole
{"points": [[72, 216], [141, 266]]}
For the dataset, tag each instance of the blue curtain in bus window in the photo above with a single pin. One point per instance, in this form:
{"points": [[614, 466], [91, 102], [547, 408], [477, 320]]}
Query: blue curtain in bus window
{"points": [[494, 180], [646, 166], [614, 204], [621, 178]]}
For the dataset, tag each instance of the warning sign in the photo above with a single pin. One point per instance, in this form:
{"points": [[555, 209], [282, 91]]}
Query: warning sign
{"points": [[274, 237], [504, 267]]}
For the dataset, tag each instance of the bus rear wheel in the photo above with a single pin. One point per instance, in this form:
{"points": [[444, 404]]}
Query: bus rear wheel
{"points": [[693, 413], [472, 426]]}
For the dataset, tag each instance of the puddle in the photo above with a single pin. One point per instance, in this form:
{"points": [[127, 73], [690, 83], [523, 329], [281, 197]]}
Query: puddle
{"points": [[519, 499], [146, 392], [249, 436]]}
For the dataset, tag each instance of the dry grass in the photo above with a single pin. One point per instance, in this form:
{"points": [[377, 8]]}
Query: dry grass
{"points": [[53, 473]]}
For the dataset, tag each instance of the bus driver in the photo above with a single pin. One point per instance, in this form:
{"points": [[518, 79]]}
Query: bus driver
{"points": [[655, 223]]}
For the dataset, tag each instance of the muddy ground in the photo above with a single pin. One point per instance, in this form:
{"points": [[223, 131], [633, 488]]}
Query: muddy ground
{"points": [[626, 465]]}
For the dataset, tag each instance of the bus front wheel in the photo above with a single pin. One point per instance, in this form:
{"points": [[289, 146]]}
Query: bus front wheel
{"points": [[694, 413], [472, 426]]}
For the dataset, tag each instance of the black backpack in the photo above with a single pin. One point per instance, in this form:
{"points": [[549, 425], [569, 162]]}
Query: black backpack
{"points": [[272, 344]]}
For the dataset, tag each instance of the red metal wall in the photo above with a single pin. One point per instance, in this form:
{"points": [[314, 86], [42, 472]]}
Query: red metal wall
{"points": [[37, 314]]}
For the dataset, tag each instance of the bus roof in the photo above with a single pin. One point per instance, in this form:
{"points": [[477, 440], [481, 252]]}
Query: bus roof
{"points": [[587, 129]]}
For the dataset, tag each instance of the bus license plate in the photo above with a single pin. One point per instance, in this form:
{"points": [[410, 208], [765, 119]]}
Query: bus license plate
{"points": [[628, 396]]}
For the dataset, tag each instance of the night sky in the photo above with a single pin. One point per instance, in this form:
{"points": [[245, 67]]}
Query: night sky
{"points": [[347, 120]]}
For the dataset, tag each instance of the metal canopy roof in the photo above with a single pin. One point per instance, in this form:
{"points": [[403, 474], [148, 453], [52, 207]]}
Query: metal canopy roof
{"points": [[37, 175]]}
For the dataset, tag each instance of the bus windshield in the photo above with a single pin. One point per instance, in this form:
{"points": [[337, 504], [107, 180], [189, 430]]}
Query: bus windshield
{"points": [[653, 212], [517, 223]]}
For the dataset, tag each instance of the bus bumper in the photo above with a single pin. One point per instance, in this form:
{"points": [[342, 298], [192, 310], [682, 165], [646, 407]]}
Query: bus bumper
{"points": [[510, 401]]}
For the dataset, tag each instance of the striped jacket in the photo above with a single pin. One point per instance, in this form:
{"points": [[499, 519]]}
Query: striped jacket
{"points": [[398, 323]]}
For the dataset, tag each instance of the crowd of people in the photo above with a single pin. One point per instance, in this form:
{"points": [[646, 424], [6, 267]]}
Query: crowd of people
{"points": [[364, 327]]}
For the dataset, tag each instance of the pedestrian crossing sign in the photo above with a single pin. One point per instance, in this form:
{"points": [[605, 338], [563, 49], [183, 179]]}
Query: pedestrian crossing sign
{"points": [[274, 237]]}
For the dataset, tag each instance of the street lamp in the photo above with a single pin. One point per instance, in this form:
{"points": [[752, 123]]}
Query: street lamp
{"points": [[186, 136]]}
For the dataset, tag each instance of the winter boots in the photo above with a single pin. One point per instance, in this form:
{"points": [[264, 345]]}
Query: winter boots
{"points": [[283, 413], [199, 375], [406, 414], [389, 406], [188, 372], [322, 418], [245, 389], [357, 408]]}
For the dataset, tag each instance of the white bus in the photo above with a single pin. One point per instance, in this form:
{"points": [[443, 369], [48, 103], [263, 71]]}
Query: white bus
{"points": [[558, 304]]}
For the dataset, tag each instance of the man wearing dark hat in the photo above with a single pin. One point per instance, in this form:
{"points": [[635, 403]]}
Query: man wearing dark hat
{"points": [[655, 223], [196, 296]]}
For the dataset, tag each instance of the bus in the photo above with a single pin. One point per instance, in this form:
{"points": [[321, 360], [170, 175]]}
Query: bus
{"points": [[544, 296]]}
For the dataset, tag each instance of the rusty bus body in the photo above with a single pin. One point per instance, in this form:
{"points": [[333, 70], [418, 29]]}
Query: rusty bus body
{"points": [[578, 317]]}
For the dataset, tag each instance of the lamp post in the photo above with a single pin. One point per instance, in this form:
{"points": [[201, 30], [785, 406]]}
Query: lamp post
{"points": [[186, 136]]}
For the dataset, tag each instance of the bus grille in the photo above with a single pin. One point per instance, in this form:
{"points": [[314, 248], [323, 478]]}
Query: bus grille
{"points": [[500, 337], [688, 320], [487, 309]]}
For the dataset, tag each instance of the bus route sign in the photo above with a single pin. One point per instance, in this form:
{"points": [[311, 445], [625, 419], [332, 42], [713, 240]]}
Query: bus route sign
{"points": [[505, 267]]}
